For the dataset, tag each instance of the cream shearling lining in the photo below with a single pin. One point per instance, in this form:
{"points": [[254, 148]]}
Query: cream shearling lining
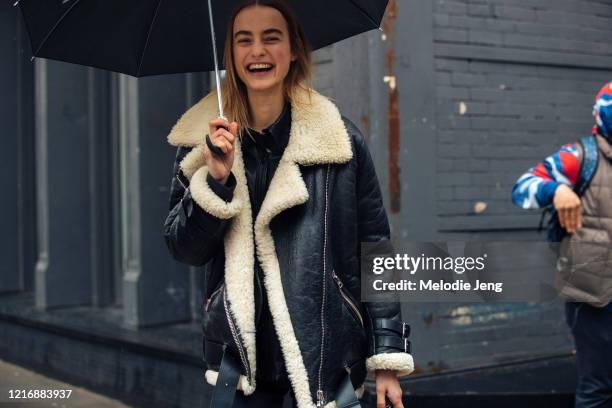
{"points": [[238, 240], [208, 200], [317, 136], [193, 161], [402, 362]]}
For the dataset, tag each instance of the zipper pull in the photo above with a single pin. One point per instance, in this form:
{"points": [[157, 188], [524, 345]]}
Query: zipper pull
{"points": [[337, 279], [320, 399]]}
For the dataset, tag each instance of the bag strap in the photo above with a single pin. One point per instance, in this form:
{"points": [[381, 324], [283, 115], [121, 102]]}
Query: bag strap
{"points": [[345, 397], [227, 381], [589, 164]]}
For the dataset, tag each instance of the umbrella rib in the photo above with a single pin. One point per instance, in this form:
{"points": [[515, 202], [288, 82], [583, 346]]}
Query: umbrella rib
{"points": [[146, 45], [55, 26], [365, 13]]}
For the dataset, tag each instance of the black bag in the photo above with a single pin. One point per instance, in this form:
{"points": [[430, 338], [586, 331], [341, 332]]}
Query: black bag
{"points": [[554, 231]]}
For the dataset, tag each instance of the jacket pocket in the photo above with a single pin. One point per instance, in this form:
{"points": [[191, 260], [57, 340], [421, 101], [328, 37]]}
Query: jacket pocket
{"points": [[214, 319], [221, 332], [351, 332], [348, 300]]}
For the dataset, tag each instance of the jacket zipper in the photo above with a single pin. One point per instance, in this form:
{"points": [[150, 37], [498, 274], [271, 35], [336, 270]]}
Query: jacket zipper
{"points": [[181, 181], [320, 394], [346, 297], [236, 337]]}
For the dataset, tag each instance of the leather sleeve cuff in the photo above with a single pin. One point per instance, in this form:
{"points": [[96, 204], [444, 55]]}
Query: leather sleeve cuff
{"points": [[390, 335], [209, 200], [225, 191], [391, 347]]}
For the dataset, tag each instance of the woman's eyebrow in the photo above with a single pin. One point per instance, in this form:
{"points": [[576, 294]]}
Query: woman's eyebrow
{"points": [[272, 31], [266, 31], [242, 32]]}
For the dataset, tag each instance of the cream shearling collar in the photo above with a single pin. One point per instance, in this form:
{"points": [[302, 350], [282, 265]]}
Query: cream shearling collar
{"points": [[317, 136]]}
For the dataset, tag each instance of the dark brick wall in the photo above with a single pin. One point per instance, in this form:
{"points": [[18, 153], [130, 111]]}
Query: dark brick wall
{"points": [[515, 79]]}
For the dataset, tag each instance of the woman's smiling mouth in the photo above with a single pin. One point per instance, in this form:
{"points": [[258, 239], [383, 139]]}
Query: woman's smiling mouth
{"points": [[259, 69]]}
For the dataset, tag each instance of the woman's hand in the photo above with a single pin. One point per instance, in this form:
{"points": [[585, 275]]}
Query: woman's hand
{"points": [[388, 384], [219, 167], [568, 206]]}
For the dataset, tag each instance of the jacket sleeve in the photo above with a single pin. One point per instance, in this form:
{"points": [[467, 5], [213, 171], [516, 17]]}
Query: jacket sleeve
{"points": [[536, 188], [388, 345], [200, 212]]}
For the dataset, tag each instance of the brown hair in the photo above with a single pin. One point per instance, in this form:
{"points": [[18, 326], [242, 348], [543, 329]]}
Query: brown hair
{"points": [[235, 97]]}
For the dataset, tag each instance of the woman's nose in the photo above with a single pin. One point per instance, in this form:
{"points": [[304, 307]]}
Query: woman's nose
{"points": [[258, 48]]}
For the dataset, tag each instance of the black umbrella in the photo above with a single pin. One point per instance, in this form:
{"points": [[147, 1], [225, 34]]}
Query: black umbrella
{"points": [[152, 37]]}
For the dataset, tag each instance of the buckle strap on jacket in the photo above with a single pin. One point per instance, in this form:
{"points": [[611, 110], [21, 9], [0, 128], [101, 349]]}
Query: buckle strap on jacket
{"points": [[392, 342], [391, 335], [401, 328]]}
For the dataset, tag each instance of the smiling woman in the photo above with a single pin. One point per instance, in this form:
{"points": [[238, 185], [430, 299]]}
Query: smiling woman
{"points": [[279, 217], [270, 36]]}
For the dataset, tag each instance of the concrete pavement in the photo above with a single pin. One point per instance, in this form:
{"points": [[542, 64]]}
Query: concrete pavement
{"points": [[16, 380]]}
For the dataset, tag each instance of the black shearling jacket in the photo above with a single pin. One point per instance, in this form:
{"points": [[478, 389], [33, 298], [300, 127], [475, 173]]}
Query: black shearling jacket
{"points": [[322, 203]]}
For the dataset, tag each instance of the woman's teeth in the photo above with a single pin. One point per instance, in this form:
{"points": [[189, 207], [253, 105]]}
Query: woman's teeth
{"points": [[256, 68]]}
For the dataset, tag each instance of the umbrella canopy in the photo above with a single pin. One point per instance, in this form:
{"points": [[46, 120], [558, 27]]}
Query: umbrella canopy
{"points": [[152, 37]]}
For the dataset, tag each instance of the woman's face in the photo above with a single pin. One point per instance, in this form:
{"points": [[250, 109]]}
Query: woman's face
{"points": [[262, 50]]}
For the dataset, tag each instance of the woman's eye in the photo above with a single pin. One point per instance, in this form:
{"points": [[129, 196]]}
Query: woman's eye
{"points": [[272, 39], [244, 41]]}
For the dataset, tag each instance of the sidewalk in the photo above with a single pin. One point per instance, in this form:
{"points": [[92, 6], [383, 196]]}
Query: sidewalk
{"points": [[20, 380]]}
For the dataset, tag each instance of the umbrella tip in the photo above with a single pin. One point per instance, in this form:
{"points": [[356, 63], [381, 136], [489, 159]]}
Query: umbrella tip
{"points": [[16, 3], [381, 29], [32, 59]]}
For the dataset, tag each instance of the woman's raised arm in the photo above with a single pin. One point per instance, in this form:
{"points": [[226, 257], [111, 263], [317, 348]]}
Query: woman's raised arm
{"points": [[192, 234]]}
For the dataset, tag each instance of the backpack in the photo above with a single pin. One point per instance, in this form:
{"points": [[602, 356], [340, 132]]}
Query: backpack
{"points": [[555, 232]]}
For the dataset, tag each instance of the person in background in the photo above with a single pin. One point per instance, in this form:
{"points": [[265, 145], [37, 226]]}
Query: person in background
{"points": [[586, 249]]}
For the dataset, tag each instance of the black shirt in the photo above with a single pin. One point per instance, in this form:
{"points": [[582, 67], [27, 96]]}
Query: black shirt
{"points": [[262, 152]]}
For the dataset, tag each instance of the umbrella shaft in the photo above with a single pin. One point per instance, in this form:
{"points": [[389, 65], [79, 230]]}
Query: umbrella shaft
{"points": [[214, 47]]}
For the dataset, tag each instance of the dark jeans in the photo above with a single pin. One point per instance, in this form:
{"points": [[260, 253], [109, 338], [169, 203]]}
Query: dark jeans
{"points": [[261, 399], [592, 330]]}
